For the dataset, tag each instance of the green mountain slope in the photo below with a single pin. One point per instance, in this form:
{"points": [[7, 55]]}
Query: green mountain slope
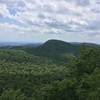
{"points": [[56, 50], [57, 47]]}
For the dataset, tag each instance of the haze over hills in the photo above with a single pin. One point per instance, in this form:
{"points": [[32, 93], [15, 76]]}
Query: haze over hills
{"points": [[18, 44], [3, 44], [51, 41]]}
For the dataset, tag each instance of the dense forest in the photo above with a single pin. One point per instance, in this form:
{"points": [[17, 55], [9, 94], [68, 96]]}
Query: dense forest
{"points": [[55, 70]]}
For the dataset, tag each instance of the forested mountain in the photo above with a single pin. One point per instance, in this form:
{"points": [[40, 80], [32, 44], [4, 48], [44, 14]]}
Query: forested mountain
{"points": [[54, 47], [57, 47], [55, 70]]}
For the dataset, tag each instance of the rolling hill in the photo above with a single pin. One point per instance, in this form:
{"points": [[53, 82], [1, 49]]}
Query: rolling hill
{"points": [[56, 50], [57, 47]]}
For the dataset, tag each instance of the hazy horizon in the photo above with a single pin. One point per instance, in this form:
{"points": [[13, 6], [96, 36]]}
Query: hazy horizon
{"points": [[41, 20], [15, 43]]}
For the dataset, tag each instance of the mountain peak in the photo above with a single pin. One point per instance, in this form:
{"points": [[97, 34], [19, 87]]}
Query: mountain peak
{"points": [[56, 47], [55, 42]]}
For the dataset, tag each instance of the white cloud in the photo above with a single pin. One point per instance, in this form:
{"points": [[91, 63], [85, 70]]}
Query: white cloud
{"points": [[4, 12], [63, 17]]}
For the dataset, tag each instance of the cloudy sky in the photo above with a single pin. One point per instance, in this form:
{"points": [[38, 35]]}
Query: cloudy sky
{"points": [[40, 20]]}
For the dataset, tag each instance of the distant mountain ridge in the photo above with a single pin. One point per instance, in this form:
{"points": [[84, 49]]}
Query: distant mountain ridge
{"points": [[56, 50], [50, 47], [18, 45], [3, 44], [32, 44]]}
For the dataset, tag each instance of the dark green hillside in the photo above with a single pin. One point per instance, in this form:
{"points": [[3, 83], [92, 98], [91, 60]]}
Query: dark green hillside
{"points": [[57, 47], [55, 50], [59, 51]]}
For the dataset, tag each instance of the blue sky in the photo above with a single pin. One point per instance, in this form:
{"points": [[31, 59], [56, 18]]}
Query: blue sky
{"points": [[40, 20]]}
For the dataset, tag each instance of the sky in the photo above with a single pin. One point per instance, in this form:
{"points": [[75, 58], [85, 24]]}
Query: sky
{"points": [[41, 20]]}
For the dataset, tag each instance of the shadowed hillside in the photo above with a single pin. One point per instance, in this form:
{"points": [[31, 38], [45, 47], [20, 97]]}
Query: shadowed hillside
{"points": [[57, 47]]}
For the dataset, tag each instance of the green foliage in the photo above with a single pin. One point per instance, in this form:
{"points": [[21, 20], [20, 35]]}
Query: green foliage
{"points": [[12, 95], [50, 72], [61, 90], [89, 88]]}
